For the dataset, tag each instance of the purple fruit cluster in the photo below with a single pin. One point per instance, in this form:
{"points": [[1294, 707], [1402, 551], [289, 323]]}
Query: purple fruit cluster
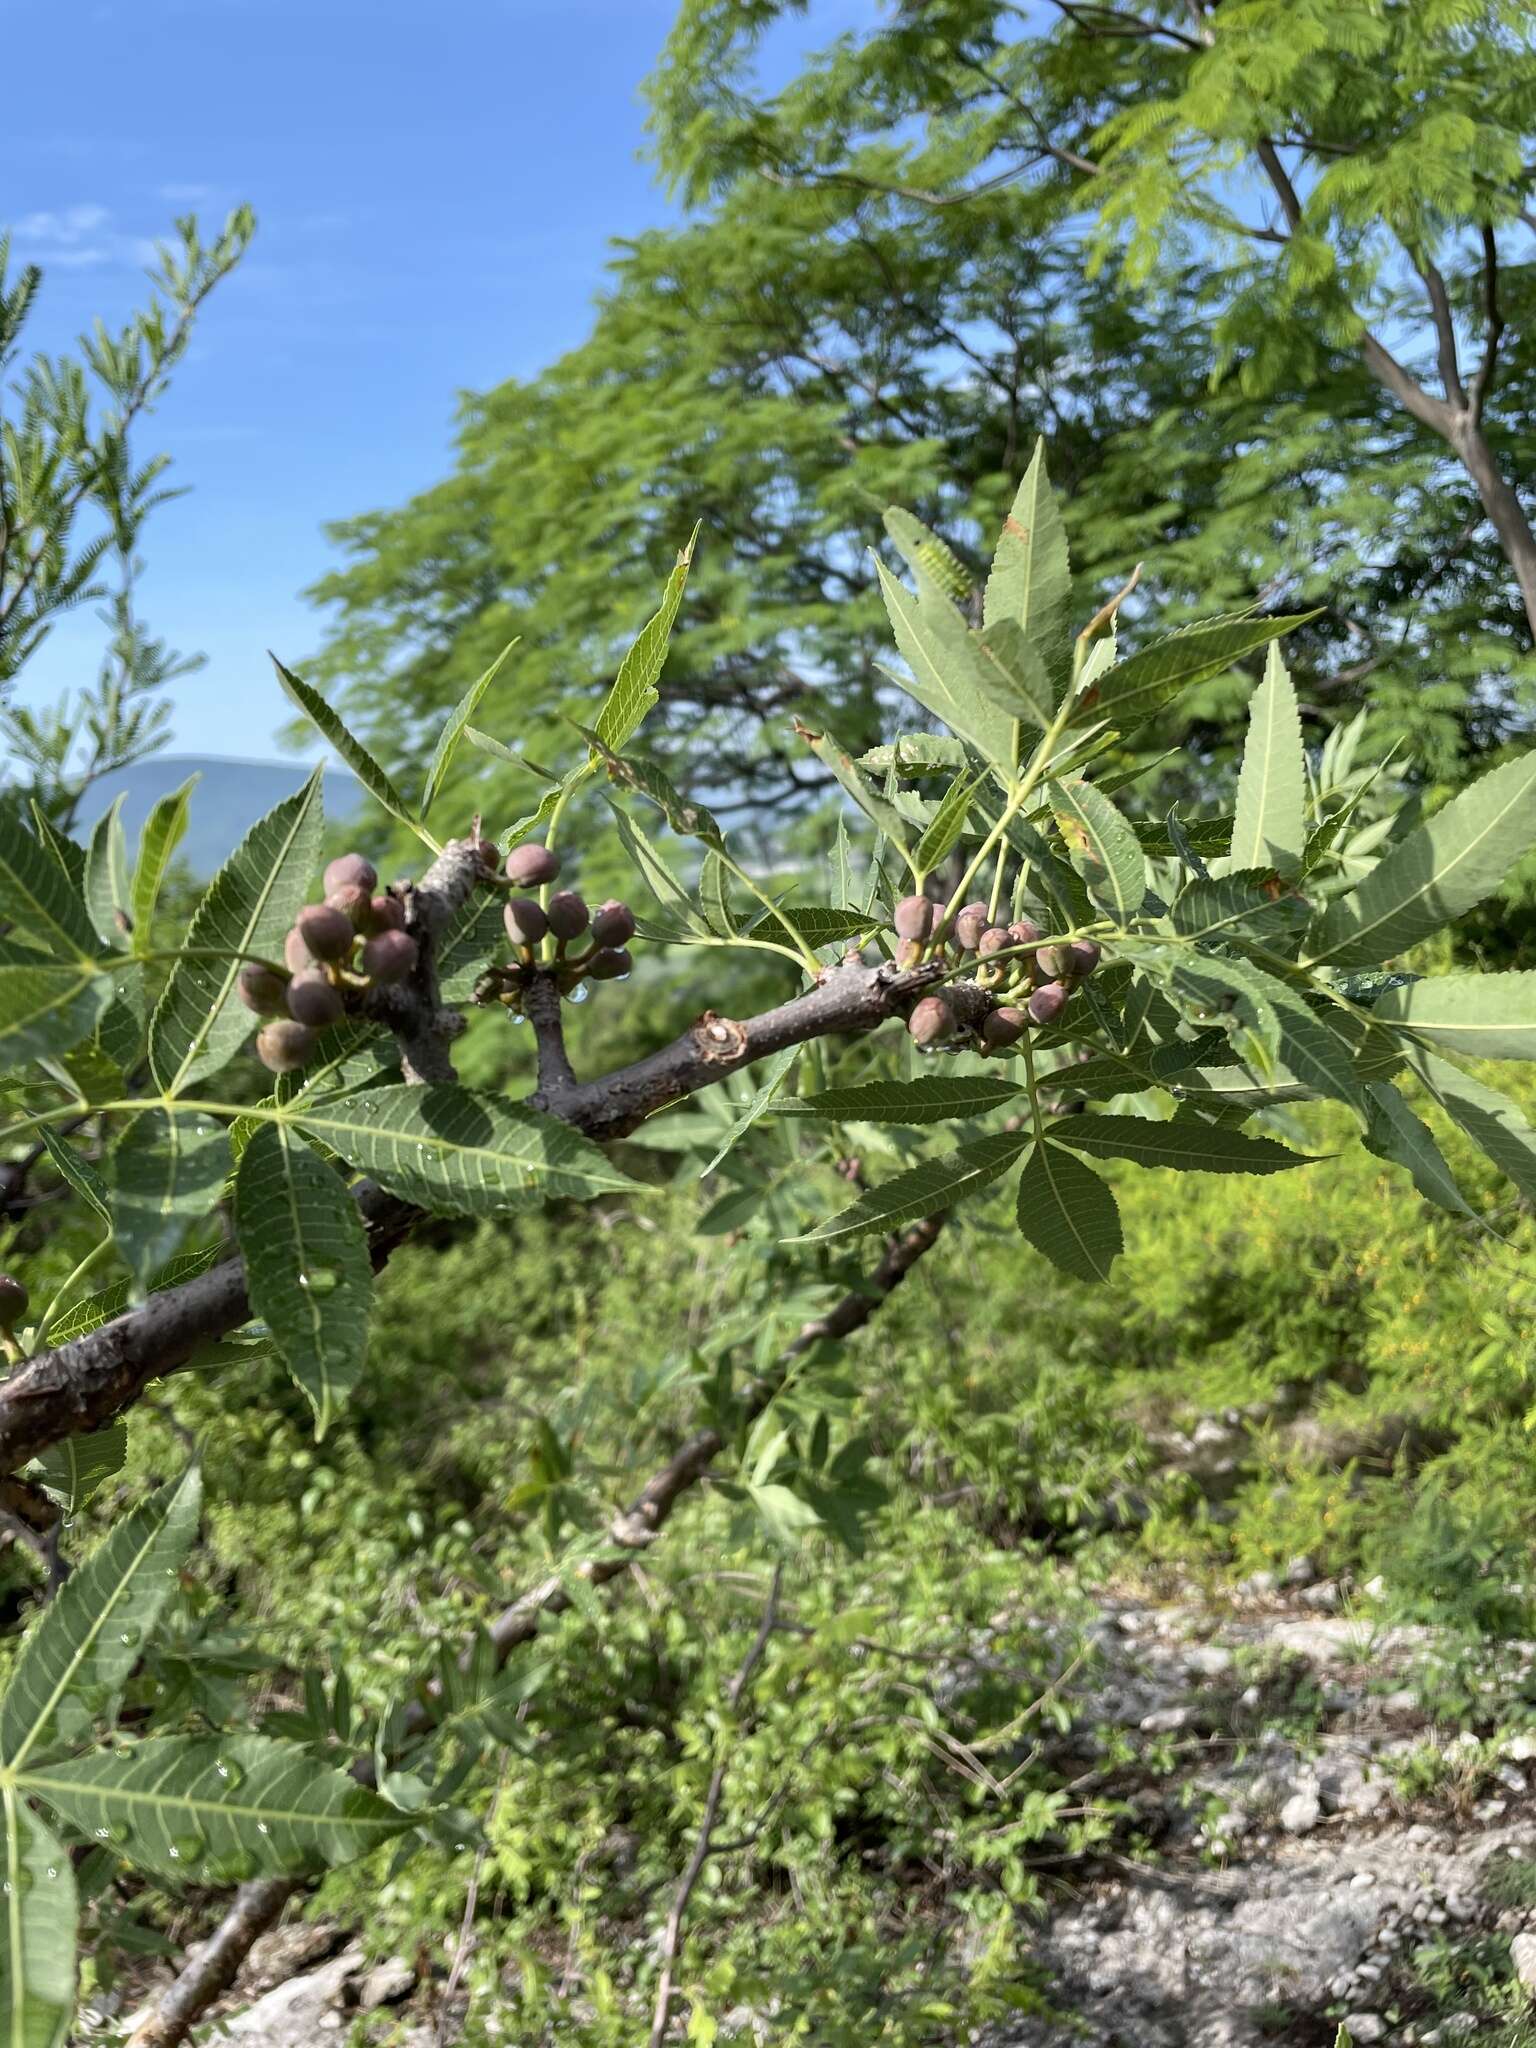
{"points": [[565, 917], [1006, 959], [338, 949]]}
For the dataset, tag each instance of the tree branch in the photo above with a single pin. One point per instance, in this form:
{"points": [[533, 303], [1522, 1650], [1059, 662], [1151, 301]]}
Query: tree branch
{"points": [[541, 1006], [1445, 331], [178, 2009], [1493, 331]]}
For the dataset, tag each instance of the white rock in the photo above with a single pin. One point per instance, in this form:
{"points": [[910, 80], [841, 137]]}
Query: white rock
{"points": [[1362, 1880], [386, 1982], [1374, 1588], [1522, 1954], [1301, 1813], [1521, 1748], [1166, 1720], [1208, 1659], [1365, 2026]]}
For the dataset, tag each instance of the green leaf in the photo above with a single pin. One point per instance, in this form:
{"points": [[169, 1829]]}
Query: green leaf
{"points": [[1031, 579], [773, 1078], [931, 1099], [81, 1175], [36, 892], [448, 739], [787, 1516], [81, 1465], [1269, 829], [689, 820], [45, 1010], [634, 691], [1012, 672], [107, 895], [1188, 1147], [307, 1264], [1067, 1212], [818, 924], [947, 825], [1494, 1123], [935, 1184], [1102, 846], [654, 872], [1247, 903], [166, 1171], [1490, 1016], [96, 1309], [37, 1962], [935, 643], [199, 1020], [714, 896], [1136, 689], [1436, 874], [219, 1809], [1395, 1133], [351, 750], [164, 830], [91, 1635], [457, 1152], [882, 814]]}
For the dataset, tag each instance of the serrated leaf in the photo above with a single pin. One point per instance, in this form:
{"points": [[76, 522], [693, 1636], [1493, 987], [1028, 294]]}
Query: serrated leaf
{"points": [[935, 644], [786, 1515], [818, 924], [352, 751], [40, 1910], [219, 1809], [1245, 903], [1102, 847], [1496, 1125], [1012, 672], [1136, 689], [654, 872], [1031, 579], [1395, 1133], [453, 730], [107, 895], [773, 1080], [946, 828], [99, 1308], [81, 1175], [935, 1184], [38, 896], [1067, 1212], [634, 691], [93, 1632], [1490, 1016], [459, 1152], [689, 820], [930, 1099], [1211, 837], [45, 1010], [1438, 873], [923, 549], [164, 830], [882, 814], [714, 896], [80, 1466], [1269, 827], [1186, 1147], [307, 1264], [166, 1173], [199, 1020]]}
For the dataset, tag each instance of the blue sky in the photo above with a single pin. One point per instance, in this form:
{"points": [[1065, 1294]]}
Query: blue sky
{"points": [[435, 189]]}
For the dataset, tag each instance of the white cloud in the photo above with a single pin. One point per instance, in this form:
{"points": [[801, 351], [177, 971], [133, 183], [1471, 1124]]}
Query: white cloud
{"points": [[71, 238], [187, 195]]}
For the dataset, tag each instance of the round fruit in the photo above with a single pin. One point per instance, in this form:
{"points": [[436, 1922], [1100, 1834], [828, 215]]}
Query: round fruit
{"points": [[385, 914], [262, 990], [970, 923], [931, 1020], [488, 853], [354, 903], [312, 1000], [1047, 1004], [1023, 932], [532, 866], [296, 953], [327, 933], [1085, 958], [351, 871], [609, 963], [913, 917], [613, 923], [284, 1046], [14, 1300], [994, 939], [1004, 1027], [525, 921], [1050, 964], [568, 914], [389, 957]]}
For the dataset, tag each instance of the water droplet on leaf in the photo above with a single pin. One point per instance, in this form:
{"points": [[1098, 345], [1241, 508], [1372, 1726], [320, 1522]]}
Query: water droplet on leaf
{"points": [[187, 1848]]}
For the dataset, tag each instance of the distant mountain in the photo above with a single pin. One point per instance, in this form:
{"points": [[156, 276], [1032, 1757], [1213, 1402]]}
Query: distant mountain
{"points": [[229, 797]]}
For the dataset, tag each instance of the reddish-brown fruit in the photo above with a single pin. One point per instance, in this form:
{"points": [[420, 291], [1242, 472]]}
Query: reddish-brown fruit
{"points": [[1047, 1004], [1085, 958], [613, 923], [351, 871], [389, 957], [970, 923], [385, 914], [568, 914], [296, 953], [488, 853], [994, 939], [532, 866], [913, 918], [14, 1301], [931, 1020], [263, 990], [609, 963], [1004, 1027], [313, 1001], [327, 933], [283, 1046], [1050, 964], [525, 921], [1023, 932], [354, 903]]}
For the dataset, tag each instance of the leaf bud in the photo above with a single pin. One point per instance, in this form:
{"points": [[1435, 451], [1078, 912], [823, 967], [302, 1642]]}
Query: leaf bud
{"points": [[283, 1046], [354, 903], [609, 963], [568, 914], [351, 871], [531, 866], [263, 990], [970, 923], [913, 917], [994, 939], [1085, 958], [1047, 1004], [313, 1001], [390, 956], [14, 1302], [385, 914], [1004, 1027], [525, 921], [613, 923], [328, 933], [931, 1020]]}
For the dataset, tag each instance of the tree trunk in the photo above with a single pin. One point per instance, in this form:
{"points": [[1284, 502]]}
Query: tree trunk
{"points": [[1503, 508]]}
